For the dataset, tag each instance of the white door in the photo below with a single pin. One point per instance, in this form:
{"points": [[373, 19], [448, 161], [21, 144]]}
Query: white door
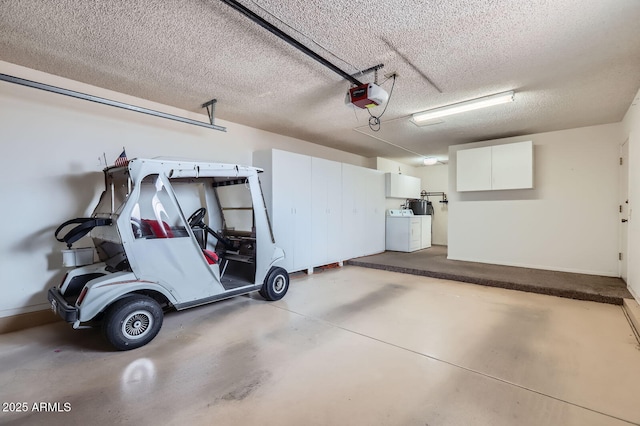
{"points": [[334, 213], [291, 189], [353, 218], [319, 217], [375, 220], [348, 211], [326, 214], [624, 207], [162, 249]]}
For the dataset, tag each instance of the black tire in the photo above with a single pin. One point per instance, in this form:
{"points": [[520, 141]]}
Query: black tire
{"points": [[132, 322], [275, 285]]}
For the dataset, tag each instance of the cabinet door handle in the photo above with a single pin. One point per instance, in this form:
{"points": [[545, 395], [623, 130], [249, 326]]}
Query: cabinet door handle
{"points": [[625, 220]]}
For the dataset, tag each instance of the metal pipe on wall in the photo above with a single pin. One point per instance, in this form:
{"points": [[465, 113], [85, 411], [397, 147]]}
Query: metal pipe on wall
{"points": [[104, 101]]}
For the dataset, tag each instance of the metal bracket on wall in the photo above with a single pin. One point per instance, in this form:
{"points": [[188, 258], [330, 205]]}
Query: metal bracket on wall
{"points": [[211, 110], [97, 99], [373, 69], [435, 194]]}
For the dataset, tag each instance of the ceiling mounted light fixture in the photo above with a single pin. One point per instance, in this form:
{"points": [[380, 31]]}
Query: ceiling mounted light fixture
{"points": [[430, 161], [487, 101]]}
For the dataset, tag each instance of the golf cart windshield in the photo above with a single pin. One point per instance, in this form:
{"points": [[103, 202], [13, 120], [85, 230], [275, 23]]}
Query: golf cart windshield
{"points": [[155, 215]]}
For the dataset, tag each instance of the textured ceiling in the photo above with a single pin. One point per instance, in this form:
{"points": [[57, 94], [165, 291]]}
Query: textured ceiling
{"points": [[572, 63]]}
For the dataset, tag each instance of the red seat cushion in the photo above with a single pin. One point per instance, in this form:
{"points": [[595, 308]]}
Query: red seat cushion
{"points": [[211, 256], [163, 231]]}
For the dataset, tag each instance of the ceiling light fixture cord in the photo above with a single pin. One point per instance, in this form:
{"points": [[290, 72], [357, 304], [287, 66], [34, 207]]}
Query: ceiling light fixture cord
{"points": [[374, 121]]}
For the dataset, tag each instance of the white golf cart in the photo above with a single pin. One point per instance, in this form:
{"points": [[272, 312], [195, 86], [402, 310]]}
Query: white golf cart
{"points": [[152, 258]]}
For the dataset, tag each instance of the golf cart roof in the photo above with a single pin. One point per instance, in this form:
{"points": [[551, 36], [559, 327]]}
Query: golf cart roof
{"points": [[182, 168]]}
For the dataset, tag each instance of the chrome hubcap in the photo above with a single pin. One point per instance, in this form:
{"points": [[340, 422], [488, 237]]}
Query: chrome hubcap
{"points": [[137, 324], [279, 284]]}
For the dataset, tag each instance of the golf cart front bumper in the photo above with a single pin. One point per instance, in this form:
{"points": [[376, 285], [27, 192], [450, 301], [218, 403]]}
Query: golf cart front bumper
{"points": [[61, 307]]}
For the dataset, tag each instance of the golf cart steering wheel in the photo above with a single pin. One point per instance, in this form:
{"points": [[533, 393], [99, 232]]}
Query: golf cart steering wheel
{"points": [[196, 219]]}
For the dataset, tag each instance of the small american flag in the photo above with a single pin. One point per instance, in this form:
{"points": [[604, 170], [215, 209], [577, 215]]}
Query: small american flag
{"points": [[122, 161]]}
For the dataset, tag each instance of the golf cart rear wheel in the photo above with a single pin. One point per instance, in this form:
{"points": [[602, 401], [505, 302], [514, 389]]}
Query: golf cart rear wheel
{"points": [[132, 322], [276, 284]]}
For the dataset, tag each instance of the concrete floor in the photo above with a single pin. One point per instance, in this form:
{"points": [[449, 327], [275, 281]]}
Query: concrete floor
{"points": [[346, 346]]}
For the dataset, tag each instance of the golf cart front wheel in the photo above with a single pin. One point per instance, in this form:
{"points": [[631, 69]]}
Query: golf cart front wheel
{"points": [[132, 322], [275, 285]]}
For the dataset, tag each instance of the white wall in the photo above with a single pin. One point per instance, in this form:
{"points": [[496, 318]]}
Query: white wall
{"points": [[50, 170], [436, 179], [390, 166], [568, 222], [631, 125]]}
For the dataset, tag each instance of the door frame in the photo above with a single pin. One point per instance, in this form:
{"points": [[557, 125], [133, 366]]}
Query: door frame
{"points": [[623, 211]]}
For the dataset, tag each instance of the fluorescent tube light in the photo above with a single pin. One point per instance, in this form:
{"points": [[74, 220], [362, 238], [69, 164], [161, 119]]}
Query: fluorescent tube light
{"points": [[430, 161], [498, 98]]}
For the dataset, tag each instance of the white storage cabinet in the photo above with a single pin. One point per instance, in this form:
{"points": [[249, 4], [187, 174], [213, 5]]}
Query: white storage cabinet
{"points": [[374, 212], [286, 185], [401, 186], [363, 211], [326, 211], [508, 166], [321, 211]]}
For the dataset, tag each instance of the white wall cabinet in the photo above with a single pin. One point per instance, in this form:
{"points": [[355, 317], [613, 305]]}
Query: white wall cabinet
{"points": [[473, 170], [341, 207], [508, 166], [512, 166], [401, 186]]}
